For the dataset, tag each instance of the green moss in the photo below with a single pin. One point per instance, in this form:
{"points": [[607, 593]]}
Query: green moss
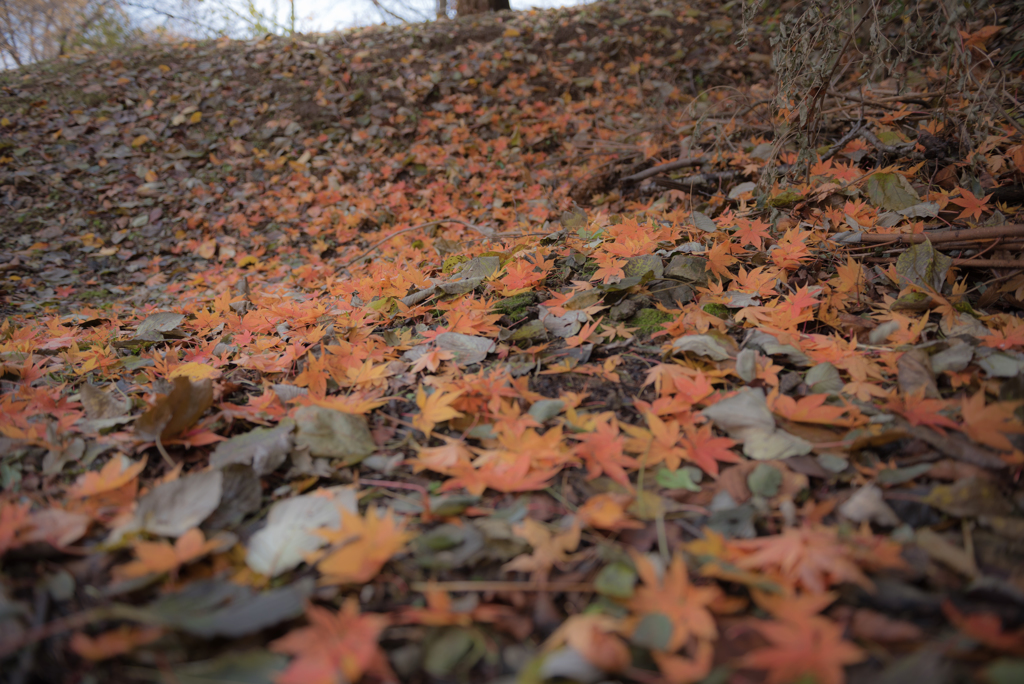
{"points": [[717, 310], [452, 263], [648, 321], [963, 306], [515, 307], [589, 269]]}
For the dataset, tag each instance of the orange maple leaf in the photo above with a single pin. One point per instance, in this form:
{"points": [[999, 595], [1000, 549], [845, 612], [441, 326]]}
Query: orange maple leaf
{"points": [[116, 473], [990, 424], [548, 549], [335, 647], [677, 669], [364, 545], [684, 604], [979, 37], [607, 511], [161, 556], [720, 259], [809, 557], [791, 250], [440, 611], [1009, 337], [434, 409], [602, 449], [431, 360], [986, 628], [115, 642], [973, 206], [586, 332], [811, 409], [802, 642], [751, 232], [659, 443], [13, 522], [704, 449], [592, 635], [920, 411]]}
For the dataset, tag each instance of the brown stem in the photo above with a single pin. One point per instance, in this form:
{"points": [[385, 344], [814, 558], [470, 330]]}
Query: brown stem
{"points": [[58, 626], [668, 166], [470, 585], [936, 236], [486, 232], [974, 263]]}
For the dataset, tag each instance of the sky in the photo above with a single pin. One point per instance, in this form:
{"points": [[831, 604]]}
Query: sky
{"points": [[324, 15]]}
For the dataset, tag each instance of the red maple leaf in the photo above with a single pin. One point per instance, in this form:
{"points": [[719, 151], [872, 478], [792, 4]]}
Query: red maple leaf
{"points": [[336, 646], [704, 449], [809, 557], [920, 411], [802, 642], [751, 232], [602, 451], [973, 206], [986, 628]]}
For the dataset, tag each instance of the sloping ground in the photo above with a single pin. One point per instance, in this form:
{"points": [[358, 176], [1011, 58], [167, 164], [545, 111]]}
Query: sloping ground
{"points": [[474, 350]]}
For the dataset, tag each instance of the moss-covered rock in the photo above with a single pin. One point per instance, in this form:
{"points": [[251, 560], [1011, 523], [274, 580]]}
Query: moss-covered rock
{"points": [[649, 321], [717, 310], [515, 307]]}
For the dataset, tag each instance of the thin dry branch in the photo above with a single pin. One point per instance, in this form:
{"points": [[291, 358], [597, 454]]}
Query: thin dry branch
{"points": [[664, 168], [486, 232], [938, 236]]}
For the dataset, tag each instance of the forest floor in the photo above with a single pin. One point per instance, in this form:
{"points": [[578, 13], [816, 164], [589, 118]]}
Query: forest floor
{"points": [[584, 344]]}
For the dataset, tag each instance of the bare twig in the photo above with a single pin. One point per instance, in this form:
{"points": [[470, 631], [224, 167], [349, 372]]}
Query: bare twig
{"points": [[882, 147], [486, 232], [693, 181], [58, 626], [470, 585], [41, 605], [664, 168], [841, 143], [937, 236], [973, 263]]}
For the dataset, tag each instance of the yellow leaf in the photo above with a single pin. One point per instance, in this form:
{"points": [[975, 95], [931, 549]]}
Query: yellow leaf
{"points": [[118, 472], [140, 140], [434, 409], [365, 545], [548, 549], [511, 33], [164, 68], [5, 122], [195, 371], [207, 249], [116, 642], [196, 117]]}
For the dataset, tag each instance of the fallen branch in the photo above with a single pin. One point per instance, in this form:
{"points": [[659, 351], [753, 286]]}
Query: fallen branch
{"points": [[486, 232], [939, 236], [841, 143], [905, 148], [973, 263], [664, 168], [58, 626], [469, 585], [990, 263], [692, 181]]}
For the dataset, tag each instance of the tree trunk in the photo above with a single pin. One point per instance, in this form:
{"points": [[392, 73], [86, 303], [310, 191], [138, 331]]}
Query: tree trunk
{"points": [[468, 7]]}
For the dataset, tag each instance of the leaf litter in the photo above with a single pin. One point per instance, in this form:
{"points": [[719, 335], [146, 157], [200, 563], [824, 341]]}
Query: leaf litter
{"points": [[577, 343]]}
